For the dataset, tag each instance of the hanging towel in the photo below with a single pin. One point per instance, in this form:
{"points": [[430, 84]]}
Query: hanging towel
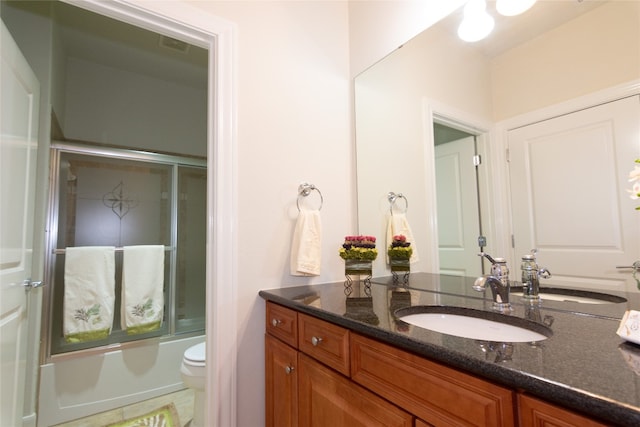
{"points": [[306, 246], [142, 288], [398, 224], [89, 292]]}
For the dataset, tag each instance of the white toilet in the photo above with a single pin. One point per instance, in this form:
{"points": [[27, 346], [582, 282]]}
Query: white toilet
{"points": [[193, 375]]}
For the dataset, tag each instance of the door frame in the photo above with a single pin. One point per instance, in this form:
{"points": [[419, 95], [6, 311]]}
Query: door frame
{"points": [[195, 26], [435, 111], [502, 128]]}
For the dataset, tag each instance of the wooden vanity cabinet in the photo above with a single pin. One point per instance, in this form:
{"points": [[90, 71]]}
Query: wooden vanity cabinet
{"points": [[320, 374], [534, 412], [305, 386]]}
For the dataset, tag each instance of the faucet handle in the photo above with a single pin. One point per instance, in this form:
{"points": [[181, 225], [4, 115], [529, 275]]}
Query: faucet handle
{"points": [[544, 273]]}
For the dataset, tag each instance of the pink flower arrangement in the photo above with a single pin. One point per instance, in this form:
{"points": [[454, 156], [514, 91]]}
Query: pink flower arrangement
{"points": [[634, 176], [359, 247]]}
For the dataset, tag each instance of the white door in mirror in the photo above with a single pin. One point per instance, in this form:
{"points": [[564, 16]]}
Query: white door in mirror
{"points": [[583, 223]]}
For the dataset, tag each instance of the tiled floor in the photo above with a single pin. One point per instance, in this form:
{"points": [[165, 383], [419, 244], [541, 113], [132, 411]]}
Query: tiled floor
{"points": [[182, 400]]}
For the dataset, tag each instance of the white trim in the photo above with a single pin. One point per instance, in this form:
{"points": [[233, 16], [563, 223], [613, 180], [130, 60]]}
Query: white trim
{"points": [[572, 105], [502, 185], [185, 22]]}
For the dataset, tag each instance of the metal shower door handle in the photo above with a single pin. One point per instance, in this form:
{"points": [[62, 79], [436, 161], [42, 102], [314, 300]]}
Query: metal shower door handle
{"points": [[29, 284]]}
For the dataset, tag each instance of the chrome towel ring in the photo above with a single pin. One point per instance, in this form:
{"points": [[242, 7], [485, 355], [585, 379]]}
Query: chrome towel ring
{"points": [[393, 197], [304, 190]]}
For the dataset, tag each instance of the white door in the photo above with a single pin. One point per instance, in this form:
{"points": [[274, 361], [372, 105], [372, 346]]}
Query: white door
{"points": [[569, 177], [19, 93], [457, 200]]}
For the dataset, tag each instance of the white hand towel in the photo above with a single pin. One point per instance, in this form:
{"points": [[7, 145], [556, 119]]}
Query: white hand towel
{"points": [[142, 288], [306, 246], [398, 224], [89, 292]]}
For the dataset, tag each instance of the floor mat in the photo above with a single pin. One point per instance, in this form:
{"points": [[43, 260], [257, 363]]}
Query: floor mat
{"points": [[166, 416]]}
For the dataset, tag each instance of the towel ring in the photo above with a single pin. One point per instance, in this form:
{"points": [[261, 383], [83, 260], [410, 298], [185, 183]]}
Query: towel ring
{"points": [[304, 190], [393, 197]]}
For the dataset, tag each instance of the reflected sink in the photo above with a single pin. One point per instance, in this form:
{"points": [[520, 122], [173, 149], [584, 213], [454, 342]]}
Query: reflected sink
{"points": [[571, 295], [474, 324]]}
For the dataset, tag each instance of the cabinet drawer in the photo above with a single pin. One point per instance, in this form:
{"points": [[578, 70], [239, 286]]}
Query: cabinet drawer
{"points": [[282, 323], [325, 342], [437, 394]]}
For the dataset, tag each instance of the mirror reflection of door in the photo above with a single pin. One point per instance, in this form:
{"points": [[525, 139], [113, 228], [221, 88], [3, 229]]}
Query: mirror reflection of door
{"points": [[458, 212], [581, 242]]}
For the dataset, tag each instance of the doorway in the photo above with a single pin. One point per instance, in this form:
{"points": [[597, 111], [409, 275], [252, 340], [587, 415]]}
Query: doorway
{"points": [[459, 213], [184, 22]]}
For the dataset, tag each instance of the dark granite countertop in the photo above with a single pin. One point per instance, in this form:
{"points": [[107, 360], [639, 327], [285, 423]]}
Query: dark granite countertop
{"points": [[583, 366]]}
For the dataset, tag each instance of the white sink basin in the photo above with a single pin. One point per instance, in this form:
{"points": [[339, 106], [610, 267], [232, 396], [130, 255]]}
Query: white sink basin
{"points": [[571, 295], [474, 324]]}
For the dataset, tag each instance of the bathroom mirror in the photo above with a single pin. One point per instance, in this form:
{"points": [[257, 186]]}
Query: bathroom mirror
{"points": [[437, 78]]}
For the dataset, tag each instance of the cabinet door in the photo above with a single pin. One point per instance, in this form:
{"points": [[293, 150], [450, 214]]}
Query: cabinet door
{"points": [[329, 399], [537, 413], [281, 381], [433, 392]]}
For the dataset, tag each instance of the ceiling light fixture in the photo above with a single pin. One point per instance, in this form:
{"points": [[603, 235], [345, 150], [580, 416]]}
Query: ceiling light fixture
{"points": [[513, 7], [477, 23]]}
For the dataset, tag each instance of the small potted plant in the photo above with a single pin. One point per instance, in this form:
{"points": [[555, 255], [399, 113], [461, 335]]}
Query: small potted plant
{"points": [[358, 253], [399, 253]]}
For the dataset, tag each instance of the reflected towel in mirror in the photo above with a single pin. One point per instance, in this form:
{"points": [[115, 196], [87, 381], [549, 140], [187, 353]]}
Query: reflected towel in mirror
{"points": [[397, 224]]}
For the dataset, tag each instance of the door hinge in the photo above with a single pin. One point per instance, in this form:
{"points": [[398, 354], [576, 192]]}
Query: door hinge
{"points": [[507, 155], [513, 241], [477, 160], [482, 241]]}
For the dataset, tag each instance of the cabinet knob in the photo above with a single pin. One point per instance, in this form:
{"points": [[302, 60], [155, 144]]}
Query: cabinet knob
{"points": [[275, 322], [289, 369], [316, 340]]}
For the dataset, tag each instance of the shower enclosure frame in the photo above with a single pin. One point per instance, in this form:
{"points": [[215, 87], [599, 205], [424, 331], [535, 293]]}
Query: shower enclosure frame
{"points": [[51, 251]]}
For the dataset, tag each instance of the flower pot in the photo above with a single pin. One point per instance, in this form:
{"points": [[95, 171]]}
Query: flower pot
{"points": [[398, 264], [356, 267]]}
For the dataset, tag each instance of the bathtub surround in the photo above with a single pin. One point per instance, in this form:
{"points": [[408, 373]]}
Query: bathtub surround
{"points": [[89, 293], [142, 288]]}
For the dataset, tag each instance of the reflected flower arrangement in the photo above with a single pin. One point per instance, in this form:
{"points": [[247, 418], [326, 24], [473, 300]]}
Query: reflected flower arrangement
{"points": [[634, 177]]}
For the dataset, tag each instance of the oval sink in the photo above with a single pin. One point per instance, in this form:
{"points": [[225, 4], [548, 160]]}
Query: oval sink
{"points": [[572, 295], [474, 324]]}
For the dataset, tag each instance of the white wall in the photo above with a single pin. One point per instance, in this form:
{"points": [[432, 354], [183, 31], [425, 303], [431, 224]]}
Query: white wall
{"points": [[377, 28], [293, 97], [113, 106], [595, 51]]}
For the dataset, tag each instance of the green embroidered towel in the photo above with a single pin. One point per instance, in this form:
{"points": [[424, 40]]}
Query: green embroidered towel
{"points": [[142, 288], [89, 292]]}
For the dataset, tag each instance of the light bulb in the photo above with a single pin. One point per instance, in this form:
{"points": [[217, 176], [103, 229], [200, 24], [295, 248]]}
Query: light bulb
{"points": [[513, 7], [477, 23]]}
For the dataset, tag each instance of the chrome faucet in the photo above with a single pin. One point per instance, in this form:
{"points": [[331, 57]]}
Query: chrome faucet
{"points": [[531, 275], [498, 281]]}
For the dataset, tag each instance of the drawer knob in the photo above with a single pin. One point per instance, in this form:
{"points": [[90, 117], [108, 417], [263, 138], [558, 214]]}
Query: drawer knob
{"points": [[289, 369], [276, 322], [315, 341]]}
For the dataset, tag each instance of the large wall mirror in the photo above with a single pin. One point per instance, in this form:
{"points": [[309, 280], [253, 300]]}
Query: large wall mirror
{"points": [[557, 58]]}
